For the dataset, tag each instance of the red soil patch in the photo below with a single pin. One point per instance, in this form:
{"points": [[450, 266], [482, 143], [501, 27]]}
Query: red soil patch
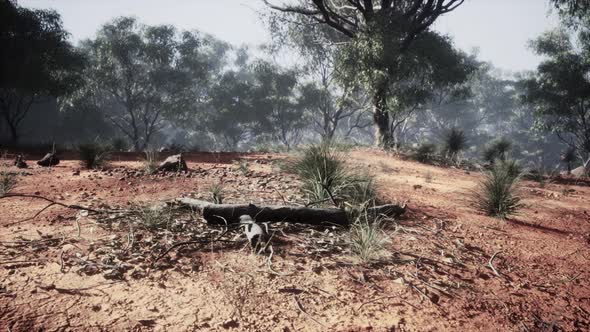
{"points": [[434, 276]]}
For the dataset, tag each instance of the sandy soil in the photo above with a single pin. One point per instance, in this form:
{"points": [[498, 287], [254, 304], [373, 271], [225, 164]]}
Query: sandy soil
{"points": [[434, 276]]}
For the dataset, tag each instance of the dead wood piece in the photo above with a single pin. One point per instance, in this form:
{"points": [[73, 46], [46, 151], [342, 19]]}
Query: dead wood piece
{"points": [[19, 162], [48, 160], [175, 163], [220, 214]]}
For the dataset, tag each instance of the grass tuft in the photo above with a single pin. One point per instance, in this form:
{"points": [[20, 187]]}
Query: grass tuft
{"points": [[8, 181], [367, 239], [150, 162], [496, 195], [326, 178], [455, 142], [154, 217], [216, 191], [425, 152], [94, 155]]}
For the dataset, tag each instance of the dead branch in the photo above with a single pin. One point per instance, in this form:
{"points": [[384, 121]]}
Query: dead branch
{"points": [[216, 213], [491, 263]]}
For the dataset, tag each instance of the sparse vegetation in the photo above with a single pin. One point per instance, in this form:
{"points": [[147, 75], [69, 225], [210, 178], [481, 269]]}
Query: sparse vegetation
{"points": [[455, 142], [94, 155], [216, 191], [150, 162], [496, 195], [568, 158], [154, 216], [326, 178], [8, 181], [367, 238], [243, 166], [119, 144], [425, 152], [497, 150]]}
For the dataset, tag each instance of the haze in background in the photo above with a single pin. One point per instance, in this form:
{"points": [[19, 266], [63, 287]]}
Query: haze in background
{"points": [[500, 29]]}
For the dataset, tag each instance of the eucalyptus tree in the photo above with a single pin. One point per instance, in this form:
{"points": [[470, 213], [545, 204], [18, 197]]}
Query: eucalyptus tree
{"points": [[145, 75], [560, 89], [378, 34], [37, 62]]}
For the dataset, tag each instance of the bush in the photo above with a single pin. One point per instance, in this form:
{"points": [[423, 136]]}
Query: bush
{"points": [[150, 162], [496, 195], [367, 238], [425, 152], [455, 142], [93, 155], [497, 150], [119, 144], [326, 178], [569, 157], [512, 168], [8, 181]]}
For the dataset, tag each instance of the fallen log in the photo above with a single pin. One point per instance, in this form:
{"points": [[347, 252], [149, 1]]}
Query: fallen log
{"points": [[219, 214]]}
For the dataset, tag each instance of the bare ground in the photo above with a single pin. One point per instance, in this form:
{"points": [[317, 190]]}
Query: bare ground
{"points": [[434, 276]]}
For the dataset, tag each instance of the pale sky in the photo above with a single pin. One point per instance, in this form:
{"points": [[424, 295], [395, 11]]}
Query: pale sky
{"points": [[500, 29]]}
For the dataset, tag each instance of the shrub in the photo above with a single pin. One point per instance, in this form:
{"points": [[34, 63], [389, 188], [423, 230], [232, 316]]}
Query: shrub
{"points": [[569, 157], [216, 191], [425, 152], [367, 239], [243, 166], [496, 195], [512, 168], [455, 142], [150, 162], [326, 178], [497, 150], [94, 155], [8, 181], [119, 144]]}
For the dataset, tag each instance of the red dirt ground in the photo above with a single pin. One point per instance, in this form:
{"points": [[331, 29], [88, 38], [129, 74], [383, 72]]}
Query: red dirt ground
{"points": [[434, 275]]}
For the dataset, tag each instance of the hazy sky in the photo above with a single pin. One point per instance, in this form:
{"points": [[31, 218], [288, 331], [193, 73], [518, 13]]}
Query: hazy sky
{"points": [[499, 28]]}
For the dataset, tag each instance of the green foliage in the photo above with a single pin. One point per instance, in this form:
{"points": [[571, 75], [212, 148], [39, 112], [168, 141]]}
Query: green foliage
{"points": [[497, 150], [8, 181], [455, 142], [496, 195], [367, 238], [216, 190], [560, 89], [36, 61], [119, 144], [425, 152], [326, 178], [150, 162], [94, 155]]}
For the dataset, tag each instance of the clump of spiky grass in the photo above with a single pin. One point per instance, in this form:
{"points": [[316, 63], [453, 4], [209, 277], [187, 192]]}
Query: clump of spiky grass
{"points": [[243, 166], [367, 238], [150, 162], [8, 181], [94, 155], [497, 150], [216, 192], [455, 142], [326, 178], [153, 217], [496, 195], [425, 152]]}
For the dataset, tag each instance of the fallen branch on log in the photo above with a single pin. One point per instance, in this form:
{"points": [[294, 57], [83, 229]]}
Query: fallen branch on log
{"points": [[218, 214]]}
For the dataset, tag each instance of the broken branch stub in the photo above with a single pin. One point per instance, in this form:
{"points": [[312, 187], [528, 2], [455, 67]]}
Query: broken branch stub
{"points": [[218, 214]]}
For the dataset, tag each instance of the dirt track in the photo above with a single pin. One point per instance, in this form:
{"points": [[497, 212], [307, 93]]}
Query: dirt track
{"points": [[434, 277]]}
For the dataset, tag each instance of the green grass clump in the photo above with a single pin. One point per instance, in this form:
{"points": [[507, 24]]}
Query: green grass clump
{"points": [[8, 181], [455, 142], [496, 195], [154, 217], [367, 238], [425, 152], [497, 150], [216, 191], [326, 178], [94, 155]]}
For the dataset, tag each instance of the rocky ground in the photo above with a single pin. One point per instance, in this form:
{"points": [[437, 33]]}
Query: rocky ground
{"points": [[64, 270]]}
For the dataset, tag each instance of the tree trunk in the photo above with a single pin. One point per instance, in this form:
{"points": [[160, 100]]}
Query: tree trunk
{"points": [[381, 119]]}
